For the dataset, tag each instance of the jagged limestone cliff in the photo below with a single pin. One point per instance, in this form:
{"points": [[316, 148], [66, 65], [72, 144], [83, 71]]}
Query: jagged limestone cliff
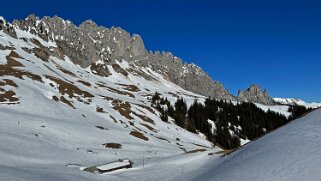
{"points": [[255, 94], [88, 43]]}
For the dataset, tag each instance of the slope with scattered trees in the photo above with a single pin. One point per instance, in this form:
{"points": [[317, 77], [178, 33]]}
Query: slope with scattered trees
{"points": [[224, 123]]}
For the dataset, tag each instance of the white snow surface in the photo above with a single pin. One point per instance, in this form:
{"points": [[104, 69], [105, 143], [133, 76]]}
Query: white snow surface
{"points": [[46, 140], [291, 153], [295, 101], [42, 139], [282, 109]]}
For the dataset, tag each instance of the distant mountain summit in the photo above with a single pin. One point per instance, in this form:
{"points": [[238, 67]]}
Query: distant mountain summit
{"points": [[255, 94]]}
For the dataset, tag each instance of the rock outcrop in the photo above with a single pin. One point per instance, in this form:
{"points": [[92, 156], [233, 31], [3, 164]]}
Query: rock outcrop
{"points": [[89, 43], [7, 27], [189, 76], [255, 94]]}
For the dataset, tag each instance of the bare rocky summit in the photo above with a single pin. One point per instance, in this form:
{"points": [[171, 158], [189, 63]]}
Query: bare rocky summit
{"points": [[255, 94], [89, 43]]}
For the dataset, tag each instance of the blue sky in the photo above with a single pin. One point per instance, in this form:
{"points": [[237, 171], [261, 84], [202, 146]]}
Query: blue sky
{"points": [[276, 44]]}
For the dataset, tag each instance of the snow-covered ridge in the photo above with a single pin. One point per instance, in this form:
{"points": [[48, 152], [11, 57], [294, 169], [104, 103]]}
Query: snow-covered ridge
{"points": [[289, 153], [296, 101]]}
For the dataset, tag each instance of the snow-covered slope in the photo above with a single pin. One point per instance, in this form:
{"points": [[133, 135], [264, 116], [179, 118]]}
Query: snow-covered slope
{"points": [[282, 109], [294, 101], [57, 117], [289, 153]]}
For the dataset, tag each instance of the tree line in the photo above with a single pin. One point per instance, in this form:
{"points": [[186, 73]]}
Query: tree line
{"points": [[224, 123]]}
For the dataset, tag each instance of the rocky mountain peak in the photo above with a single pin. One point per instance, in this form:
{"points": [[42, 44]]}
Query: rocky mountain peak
{"points": [[255, 94], [89, 43], [2, 20], [88, 23]]}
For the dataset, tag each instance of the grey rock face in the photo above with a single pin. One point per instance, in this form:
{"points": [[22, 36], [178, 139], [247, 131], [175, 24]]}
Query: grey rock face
{"points": [[100, 69], [188, 76], [7, 27], [88, 43], [255, 94]]}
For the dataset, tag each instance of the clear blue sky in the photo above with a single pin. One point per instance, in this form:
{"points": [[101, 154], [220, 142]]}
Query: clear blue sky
{"points": [[274, 43]]}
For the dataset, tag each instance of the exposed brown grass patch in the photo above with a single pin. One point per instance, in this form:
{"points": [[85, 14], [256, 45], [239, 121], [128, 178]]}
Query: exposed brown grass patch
{"points": [[14, 54], [8, 82], [100, 69], [149, 127], [120, 70], [144, 118], [124, 108], [41, 54], [13, 63], [66, 71], [196, 150], [11, 71], [132, 88], [100, 109], [112, 145], [68, 88], [6, 47], [106, 98], [84, 83], [8, 96], [51, 51], [133, 125], [36, 42], [139, 135], [64, 100], [101, 84], [147, 108]]}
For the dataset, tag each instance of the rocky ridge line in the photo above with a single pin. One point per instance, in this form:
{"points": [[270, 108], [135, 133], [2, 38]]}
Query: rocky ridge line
{"points": [[88, 43], [255, 94]]}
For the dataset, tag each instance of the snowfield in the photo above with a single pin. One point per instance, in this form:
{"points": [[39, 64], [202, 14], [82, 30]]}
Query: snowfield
{"points": [[58, 118], [300, 102], [291, 153]]}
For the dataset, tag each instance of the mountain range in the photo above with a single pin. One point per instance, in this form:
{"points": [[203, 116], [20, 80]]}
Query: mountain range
{"points": [[77, 97], [89, 43]]}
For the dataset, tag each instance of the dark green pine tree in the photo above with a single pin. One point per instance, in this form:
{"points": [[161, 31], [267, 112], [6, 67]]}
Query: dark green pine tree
{"points": [[180, 112], [155, 97]]}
